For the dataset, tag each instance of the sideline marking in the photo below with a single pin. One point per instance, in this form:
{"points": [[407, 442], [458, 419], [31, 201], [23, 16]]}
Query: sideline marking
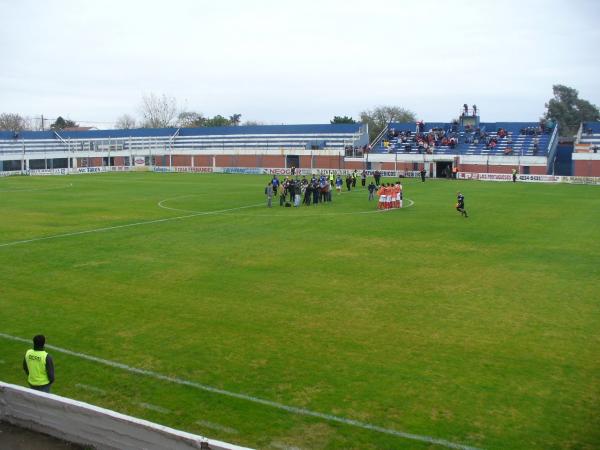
{"points": [[127, 225], [250, 398], [216, 426], [281, 446], [152, 407], [87, 387]]}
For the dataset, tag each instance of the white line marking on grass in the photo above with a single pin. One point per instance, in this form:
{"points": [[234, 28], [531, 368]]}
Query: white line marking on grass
{"points": [[127, 225], [51, 188], [152, 407], [373, 211], [216, 426], [281, 446], [162, 205], [87, 387], [250, 398]]}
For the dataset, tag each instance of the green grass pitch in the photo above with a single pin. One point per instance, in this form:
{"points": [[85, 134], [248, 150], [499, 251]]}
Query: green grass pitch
{"points": [[483, 332]]}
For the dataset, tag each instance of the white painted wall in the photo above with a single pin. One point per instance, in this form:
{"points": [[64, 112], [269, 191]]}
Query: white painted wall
{"points": [[86, 424]]}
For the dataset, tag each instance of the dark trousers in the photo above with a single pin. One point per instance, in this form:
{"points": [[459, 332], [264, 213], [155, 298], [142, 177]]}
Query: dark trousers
{"points": [[44, 388]]}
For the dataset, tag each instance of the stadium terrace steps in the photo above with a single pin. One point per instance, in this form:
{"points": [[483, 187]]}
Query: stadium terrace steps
{"points": [[521, 144], [325, 136]]}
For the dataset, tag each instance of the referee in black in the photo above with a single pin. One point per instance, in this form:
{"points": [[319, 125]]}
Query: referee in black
{"points": [[460, 204]]}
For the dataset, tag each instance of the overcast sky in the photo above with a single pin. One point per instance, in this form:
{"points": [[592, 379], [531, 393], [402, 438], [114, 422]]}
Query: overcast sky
{"points": [[296, 61]]}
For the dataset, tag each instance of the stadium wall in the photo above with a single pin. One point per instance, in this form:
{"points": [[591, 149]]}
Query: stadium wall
{"points": [[586, 164], [482, 168], [89, 425]]}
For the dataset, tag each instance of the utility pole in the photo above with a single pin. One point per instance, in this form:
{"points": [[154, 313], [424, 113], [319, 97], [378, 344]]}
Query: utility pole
{"points": [[42, 122]]}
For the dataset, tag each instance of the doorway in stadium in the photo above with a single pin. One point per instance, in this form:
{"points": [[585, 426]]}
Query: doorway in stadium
{"points": [[443, 169], [292, 161]]}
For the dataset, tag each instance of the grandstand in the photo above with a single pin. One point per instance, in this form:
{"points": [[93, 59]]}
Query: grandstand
{"points": [[521, 139], [586, 156], [467, 145], [69, 149]]}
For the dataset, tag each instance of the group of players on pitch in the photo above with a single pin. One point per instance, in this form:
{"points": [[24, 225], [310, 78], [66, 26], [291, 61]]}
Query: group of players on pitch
{"points": [[391, 197], [390, 194]]}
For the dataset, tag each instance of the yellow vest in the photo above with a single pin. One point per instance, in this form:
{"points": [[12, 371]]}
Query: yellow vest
{"points": [[36, 364]]}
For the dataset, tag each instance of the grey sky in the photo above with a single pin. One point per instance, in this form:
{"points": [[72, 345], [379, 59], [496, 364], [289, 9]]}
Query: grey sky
{"points": [[296, 61]]}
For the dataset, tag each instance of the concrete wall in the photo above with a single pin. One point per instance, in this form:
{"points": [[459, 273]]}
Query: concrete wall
{"points": [[86, 424], [586, 168], [483, 168]]}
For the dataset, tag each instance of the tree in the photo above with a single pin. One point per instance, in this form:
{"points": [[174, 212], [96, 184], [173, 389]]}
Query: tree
{"points": [[568, 110], [190, 119], [253, 123], [13, 122], [125, 122], [235, 119], [158, 112], [342, 119], [60, 124], [379, 117], [218, 121]]}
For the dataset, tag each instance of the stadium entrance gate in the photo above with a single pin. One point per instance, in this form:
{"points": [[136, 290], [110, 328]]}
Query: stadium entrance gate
{"points": [[443, 169], [292, 160]]}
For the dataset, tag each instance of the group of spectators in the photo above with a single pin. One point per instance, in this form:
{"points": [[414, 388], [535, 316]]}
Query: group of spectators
{"points": [[425, 142]]}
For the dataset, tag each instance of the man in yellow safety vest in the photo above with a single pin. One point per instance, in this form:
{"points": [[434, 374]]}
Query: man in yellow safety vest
{"points": [[38, 366]]}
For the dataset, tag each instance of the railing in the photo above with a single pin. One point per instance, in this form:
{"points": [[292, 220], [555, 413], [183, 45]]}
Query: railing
{"points": [[380, 136], [552, 146], [579, 133]]}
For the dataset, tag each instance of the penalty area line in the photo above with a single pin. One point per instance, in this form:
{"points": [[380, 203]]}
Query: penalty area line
{"points": [[250, 398]]}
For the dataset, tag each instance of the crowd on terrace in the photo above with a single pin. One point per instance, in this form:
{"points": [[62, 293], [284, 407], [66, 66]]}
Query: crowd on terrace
{"points": [[425, 142]]}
